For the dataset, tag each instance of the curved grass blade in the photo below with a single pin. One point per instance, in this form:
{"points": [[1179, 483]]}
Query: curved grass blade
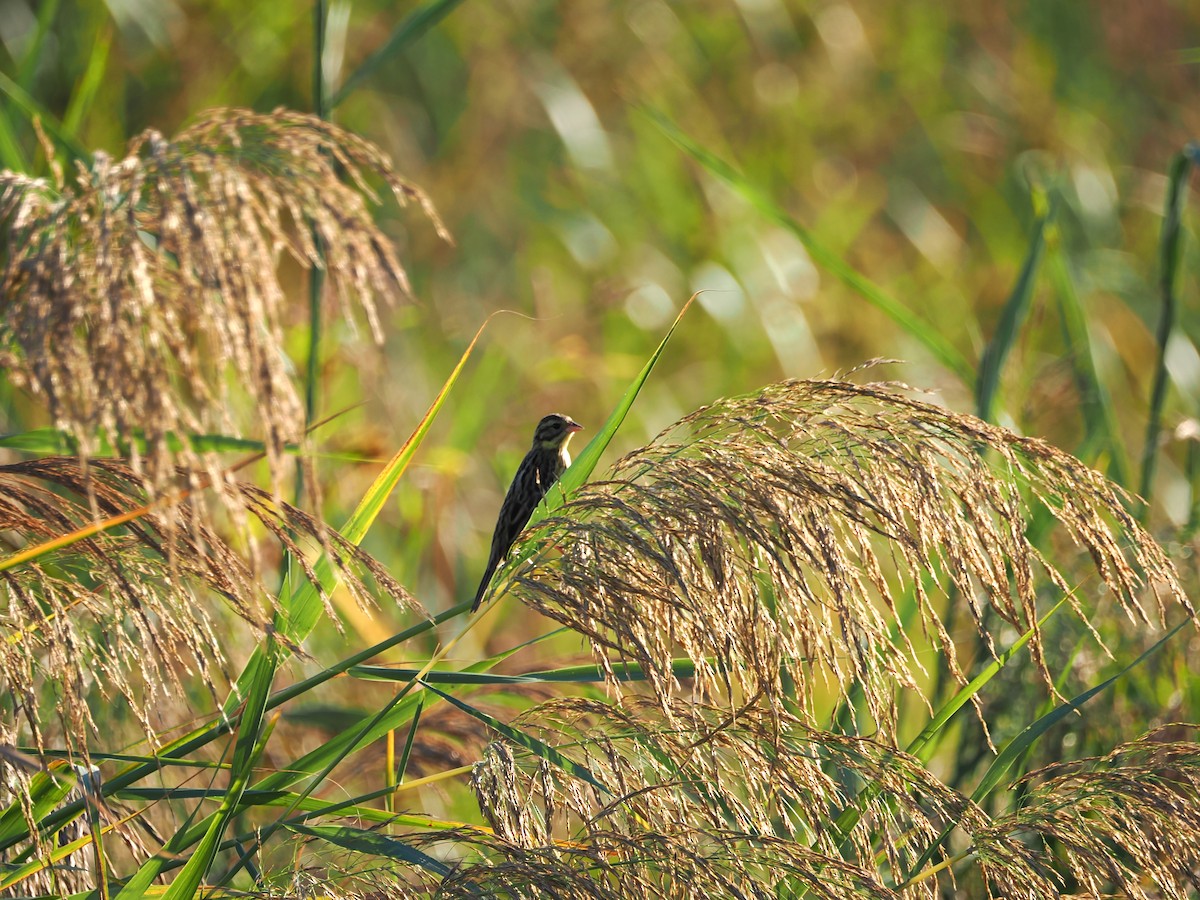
{"points": [[34, 59], [93, 76], [1019, 745], [46, 790], [248, 747], [1013, 316], [924, 332], [362, 732], [301, 604], [33, 109], [53, 442], [584, 674], [319, 763], [417, 23], [923, 741], [1170, 252], [205, 735], [15, 874], [530, 743], [378, 845], [300, 600], [921, 745], [168, 499], [1101, 429], [585, 463]]}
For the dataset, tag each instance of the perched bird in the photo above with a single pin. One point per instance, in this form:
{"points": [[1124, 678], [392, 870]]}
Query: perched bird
{"points": [[545, 461]]}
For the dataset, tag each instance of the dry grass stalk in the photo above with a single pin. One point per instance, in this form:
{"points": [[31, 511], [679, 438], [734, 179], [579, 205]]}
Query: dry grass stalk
{"points": [[749, 808], [753, 799], [125, 618], [1125, 825], [776, 534], [144, 297]]}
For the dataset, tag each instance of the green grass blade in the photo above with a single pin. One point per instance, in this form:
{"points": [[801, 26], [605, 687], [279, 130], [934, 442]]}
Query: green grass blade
{"points": [[922, 743], [584, 674], [1020, 745], [539, 748], [406, 753], [924, 332], [46, 10], [248, 747], [1026, 738], [319, 778], [316, 273], [1012, 317], [52, 442], [367, 729], [380, 846], [417, 23], [85, 91], [301, 605], [585, 463], [1102, 433], [201, 737], [46, 790], [11, 155], [1170, 252], [32, 108]]}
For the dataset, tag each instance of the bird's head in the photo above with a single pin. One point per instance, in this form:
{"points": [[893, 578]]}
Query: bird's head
{"points": [[554, 431]]}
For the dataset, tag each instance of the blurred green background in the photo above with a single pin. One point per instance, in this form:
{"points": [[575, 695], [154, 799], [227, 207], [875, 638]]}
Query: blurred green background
{"points": [[916, 140]]}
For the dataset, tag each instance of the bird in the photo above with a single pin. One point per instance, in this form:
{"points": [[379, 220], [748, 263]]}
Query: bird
{"points": [[546, 460]]}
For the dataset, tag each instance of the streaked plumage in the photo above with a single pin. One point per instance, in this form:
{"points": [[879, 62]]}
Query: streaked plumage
{"points": [[545, 461]]}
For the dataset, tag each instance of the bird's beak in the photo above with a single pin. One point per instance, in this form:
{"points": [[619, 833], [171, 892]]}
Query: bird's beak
{"points": [[574, 427]]}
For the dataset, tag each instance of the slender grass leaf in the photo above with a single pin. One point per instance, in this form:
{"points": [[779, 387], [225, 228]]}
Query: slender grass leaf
{"points": [[1019, 745], [316, 274], [11, 155], [377, 845], [85, 91], [1034, 731], [584, 674], [921, 745], [1012, 317], [66, 540], [417, 23], [319, 778], [585, 463], [46, 10], [922, 742], [530, 743], [301, 604], [46, 790], [1170, 253], [14, 874], [1102, 432], [205, 735], [248, 747], [32, 108], [406, 752], [924, 332], [52, 442]]}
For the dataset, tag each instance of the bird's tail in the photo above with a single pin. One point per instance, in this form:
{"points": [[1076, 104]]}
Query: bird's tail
{"points": [[484, 582]]}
